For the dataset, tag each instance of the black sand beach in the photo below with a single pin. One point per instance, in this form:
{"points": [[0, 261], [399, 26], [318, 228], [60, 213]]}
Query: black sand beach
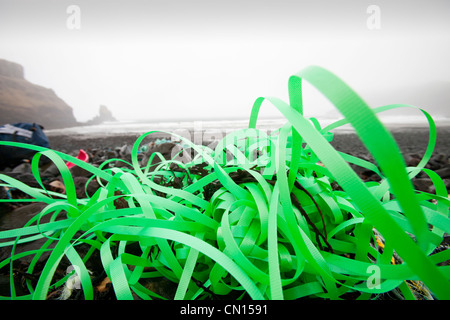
{"points": [[412, 143], [409, 140]]}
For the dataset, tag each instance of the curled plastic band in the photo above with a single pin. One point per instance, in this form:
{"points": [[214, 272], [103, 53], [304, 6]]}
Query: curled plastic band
{"points": [[259, 216]]}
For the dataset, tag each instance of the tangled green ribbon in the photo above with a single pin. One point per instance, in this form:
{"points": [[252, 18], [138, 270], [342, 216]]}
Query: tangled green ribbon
{"points": [[263, 217]]}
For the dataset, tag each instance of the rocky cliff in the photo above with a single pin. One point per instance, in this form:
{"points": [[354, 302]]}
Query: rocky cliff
{"points": [[23, 101]]}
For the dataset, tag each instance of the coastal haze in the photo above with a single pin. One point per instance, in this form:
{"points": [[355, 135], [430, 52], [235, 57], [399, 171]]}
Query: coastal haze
{"points": [[209, 60], [102, 76]]}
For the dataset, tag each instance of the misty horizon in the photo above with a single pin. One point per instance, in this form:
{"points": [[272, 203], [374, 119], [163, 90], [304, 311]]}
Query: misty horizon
{"points": [[203, 60]]}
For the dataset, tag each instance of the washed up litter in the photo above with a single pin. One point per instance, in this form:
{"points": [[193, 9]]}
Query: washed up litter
{"points": [[261, 216]]}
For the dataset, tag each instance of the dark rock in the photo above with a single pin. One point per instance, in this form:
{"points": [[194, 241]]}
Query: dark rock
{"points": [[22, 168], [437, 161], [164, 148], [439, 158], [17, 219], [423, 184], [412, 160], [77, 171], [111, 154], [444, 172], [23, 173], [26, 178], [82, 189], [20, 216], [104, 114], [447, 183], [50, 172]]}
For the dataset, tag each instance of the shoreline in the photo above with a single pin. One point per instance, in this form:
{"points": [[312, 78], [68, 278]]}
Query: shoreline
{"points": [[409, 140]]}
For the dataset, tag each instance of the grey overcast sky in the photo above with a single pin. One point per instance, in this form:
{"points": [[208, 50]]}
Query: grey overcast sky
{"points": [[211, 59]]}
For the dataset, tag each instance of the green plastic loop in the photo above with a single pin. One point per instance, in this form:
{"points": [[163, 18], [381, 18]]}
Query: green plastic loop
{"points": [[262, 216]]}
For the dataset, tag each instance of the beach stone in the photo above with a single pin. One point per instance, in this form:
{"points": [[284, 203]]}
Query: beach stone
{"points": [[57, 186], [434, 164], [80, 187], [110, 154], [444, 172], [97, 156], [26, 178], [76, 171], [447, 183], [439, 158], [24, 167], [412, 160], [20, 216], [164, 148], [23, 173], [50, 172], [423, 184], [17, 219]]}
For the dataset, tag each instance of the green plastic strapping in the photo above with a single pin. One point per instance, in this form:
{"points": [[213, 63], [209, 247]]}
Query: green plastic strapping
{"points": [[266, 223]]}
